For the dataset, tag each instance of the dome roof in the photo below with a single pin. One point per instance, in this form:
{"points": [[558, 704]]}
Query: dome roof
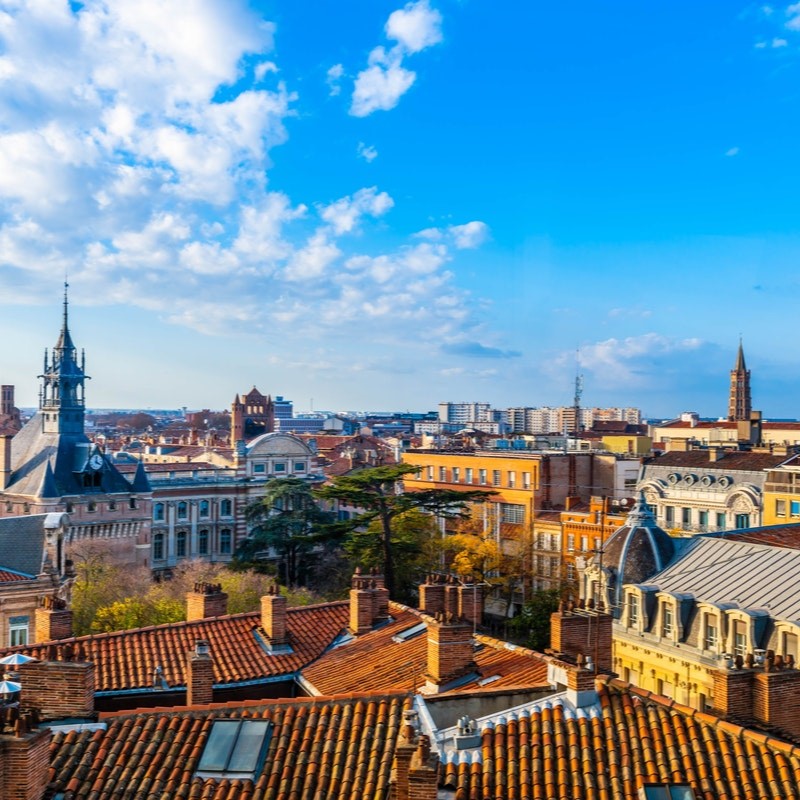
{"points": [[278, 444], [638, 550]]}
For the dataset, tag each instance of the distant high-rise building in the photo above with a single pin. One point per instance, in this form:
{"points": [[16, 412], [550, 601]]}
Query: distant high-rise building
{"points": [[739, 403], [465, 413]]}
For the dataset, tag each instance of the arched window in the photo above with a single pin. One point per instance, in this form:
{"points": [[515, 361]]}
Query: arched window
{"points": [[225, 541], [183, 510], [202, 542], [226, 508], [158, 547], [158, 512], [180, 544], [204, 507]]}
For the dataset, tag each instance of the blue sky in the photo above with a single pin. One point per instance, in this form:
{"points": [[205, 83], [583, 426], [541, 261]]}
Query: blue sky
{"points": [[381, 205]]}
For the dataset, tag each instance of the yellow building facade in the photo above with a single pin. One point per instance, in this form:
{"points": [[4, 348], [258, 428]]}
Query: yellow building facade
{"points": [[782, 496]]}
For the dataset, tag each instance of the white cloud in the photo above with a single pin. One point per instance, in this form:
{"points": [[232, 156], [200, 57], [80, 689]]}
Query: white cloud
{"points": [[263, 69], [345, 214], [733, 151], [333, 77], [380, 86], [415, 26], [468, 236], [777, 42], [367, 152], [793, 13], [463, 237]]}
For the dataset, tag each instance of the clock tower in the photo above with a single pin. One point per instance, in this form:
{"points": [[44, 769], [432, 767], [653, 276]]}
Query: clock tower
{"points": [[61, 397]]}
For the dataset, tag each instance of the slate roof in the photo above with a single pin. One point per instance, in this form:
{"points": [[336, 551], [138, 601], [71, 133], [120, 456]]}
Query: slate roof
{"points": [[43, 464], [379, 663], [126, 660], [342, 747], [332, 748], [22, 543], [714, 569]]}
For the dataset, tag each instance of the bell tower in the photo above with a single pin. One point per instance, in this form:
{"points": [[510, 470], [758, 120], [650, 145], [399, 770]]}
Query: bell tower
{"points": [[739, 403], [61, 397]]}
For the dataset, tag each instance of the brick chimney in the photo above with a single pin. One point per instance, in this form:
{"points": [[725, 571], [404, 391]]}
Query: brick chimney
{"points": [[380, 598], [768, 692], [423, 774], [24, 761], [403, 753], [52, 620], [470, 603], [361, 603], [207, 600], [450, 651], [58, 689], [273, 617], [582, 631], [431, 595], [199, 675], [5, 459]]}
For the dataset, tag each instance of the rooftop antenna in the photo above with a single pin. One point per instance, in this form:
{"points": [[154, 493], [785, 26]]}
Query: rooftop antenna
{"points": [[578, 393]]}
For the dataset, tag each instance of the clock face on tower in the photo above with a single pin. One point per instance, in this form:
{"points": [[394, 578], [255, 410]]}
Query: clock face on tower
{"points": [[96, 461]]}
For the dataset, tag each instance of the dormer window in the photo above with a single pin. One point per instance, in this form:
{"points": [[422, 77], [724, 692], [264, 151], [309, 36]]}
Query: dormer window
{"points": [[711, 634], [633, 610], [667, 622]]}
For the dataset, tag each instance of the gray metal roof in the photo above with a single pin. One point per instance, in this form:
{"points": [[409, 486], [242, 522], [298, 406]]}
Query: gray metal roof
{"points": [[753, 576], [22, 543]]}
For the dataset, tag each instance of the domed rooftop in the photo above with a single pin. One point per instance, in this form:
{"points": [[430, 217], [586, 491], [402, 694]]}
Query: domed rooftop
{"points": [[278, 444], [636, 551]]}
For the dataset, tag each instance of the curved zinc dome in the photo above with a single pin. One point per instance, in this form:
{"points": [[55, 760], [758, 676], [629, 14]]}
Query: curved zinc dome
{"points": [[278, 444], [638, 550]]}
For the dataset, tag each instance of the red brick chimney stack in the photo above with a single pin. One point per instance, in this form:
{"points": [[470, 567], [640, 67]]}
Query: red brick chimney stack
{"points": [[450, 651], [273, 616], [199, 675], [5, 459], [431, 595], [586, 632], [58, 689], [207, 600], [361, 604], [24, 761], [52, 620]]}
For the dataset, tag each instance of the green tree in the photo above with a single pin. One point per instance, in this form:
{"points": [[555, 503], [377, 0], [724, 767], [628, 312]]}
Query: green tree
{"points": [[288, 520], [374, 493], [415, 546], [533, 621], [137, 612]]}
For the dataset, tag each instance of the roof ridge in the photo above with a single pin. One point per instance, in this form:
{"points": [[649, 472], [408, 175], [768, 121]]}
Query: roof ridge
{"points": [[344, 697]]}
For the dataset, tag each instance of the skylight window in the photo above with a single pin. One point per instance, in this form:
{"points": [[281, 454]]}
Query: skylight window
{"points": [[666, 791], [236, 748], [409, 633]]}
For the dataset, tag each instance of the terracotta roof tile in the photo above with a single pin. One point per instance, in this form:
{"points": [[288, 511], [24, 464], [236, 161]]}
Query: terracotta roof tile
{"points": [[376, 661], [126, 660]]}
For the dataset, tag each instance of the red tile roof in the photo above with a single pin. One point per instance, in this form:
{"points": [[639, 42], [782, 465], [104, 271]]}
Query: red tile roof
{"points": [[319, 748], [126, 660], [774, 535], [377, 662], [729, 460], [7, 577], [342, 748], [636, 738]]}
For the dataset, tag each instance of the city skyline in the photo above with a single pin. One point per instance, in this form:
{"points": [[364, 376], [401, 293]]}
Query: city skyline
{"points": [[389, 205]]}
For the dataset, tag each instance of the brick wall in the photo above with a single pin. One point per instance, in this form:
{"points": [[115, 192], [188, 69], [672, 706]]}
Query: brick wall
{"points": [[450, 649], [50, 624], [423, 774], [199, 679], [25, 765], [58, 688], [581, 632]]}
